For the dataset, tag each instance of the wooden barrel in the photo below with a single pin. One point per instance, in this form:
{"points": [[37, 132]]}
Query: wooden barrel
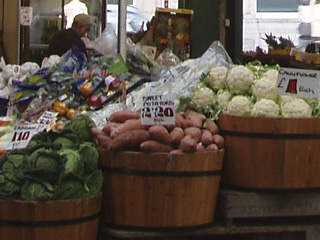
{"points": [[51, 220], [271, 153], [157, 190]]}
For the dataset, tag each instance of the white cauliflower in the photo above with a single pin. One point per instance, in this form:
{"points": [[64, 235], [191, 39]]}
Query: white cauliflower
{"points": [[265, 108], [240, 79], [239, 105], [296, 108], [202, 97], [265, 87], [29, 68], [50, 61], [272, 74], [223, 97], [282, 99], [217, 77]]}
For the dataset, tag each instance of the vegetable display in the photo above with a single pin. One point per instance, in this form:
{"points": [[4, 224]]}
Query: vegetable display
{"points": [[192, 132], [54, 166]]}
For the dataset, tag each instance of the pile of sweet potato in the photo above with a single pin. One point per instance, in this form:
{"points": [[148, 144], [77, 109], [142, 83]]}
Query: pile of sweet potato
{"points": [[192, 132]]}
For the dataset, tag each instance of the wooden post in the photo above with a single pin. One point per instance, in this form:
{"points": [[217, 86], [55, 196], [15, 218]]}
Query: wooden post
{"points": [[122, 33]]}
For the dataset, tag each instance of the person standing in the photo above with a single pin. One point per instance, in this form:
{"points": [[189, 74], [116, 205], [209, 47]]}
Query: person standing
{"points": [[65, 39]]}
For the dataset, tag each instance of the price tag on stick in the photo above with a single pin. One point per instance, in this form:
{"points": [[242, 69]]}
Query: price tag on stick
{"points": [[158, 110], [22, 135]]}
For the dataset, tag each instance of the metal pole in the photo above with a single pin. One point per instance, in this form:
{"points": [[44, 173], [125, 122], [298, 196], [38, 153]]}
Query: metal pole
{"points": [[122, 33]]}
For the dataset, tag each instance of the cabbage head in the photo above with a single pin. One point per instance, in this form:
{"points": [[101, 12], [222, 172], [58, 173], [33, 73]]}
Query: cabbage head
{"points": [[72, 188], [36, 191], [8, 189], [94, 181], [67, 140], [90, 155], [81, 126], [74, 165]]}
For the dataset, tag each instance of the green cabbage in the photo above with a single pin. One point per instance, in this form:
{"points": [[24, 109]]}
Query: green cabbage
{"points": [[94, 181], [90, 155], [81, 126], [72, 188], [8, 189], [36, 191], [73, 163]]}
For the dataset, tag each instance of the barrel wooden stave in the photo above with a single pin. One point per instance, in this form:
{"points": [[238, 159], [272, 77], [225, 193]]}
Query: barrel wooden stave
{"points": [[147, 199], [273, 153]]}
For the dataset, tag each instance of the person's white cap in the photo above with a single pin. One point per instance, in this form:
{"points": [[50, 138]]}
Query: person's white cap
{"points": [[83, 19]]}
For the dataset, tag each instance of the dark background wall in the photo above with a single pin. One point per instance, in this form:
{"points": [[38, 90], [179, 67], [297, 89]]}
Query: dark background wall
{"points": [[205, 25]]}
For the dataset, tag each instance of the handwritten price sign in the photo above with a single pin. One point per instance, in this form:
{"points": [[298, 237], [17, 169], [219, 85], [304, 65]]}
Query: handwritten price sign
{"points": [[22, 135], [158, 110], [298, 82]]}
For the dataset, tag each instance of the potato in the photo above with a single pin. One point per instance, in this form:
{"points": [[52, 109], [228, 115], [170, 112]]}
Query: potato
{"points": [[129, 140], [176, 136], [194, 119], [206, 137], [128, 125], [123, 115], [194, 132], [188, 144], [212, 147], [160, 134], [154, 146], [103, 141], [219, 140], [211, 126]]}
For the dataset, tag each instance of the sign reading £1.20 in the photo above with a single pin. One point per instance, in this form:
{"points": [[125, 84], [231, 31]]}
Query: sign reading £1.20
{"points": [[298, 82]]}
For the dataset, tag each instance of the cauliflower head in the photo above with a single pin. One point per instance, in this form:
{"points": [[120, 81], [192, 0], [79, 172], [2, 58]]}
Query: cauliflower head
{"points": [[265, 108], [272, 74], [296, 108], [217, 77], [265, 88], [239, 105], [282, 99], [223, 97], [202, 98], [240, 79]]}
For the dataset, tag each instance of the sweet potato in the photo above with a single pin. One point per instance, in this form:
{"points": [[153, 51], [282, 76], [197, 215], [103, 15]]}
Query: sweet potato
{"points": [[194, 132], [211, 126], [176, 136], [176, 152], [110, 127], [219, 140], [200, 148], [95, 131], [181, 121], [160, 134], [154, 146], [123, 115], [206, 137], [128, 125], [194, 119], [103, 141], [188, 144], [129, 140], [212, 147]]}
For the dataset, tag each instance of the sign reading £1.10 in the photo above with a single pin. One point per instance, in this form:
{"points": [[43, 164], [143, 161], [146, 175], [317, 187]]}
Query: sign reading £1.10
{"points": [[298, 82], [158, 110]]}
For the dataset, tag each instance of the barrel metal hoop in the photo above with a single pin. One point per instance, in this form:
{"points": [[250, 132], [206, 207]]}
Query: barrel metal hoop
{"points": [[161, 173], [33, 224], [269, 135]]}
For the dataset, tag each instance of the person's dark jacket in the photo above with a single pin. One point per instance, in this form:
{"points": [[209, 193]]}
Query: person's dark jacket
{"points": [[63, 40]]}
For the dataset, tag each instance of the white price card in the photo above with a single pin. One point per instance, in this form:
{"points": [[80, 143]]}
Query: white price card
{"points": [[298, 82], [22, 134], [158, 110], [48, 119]]}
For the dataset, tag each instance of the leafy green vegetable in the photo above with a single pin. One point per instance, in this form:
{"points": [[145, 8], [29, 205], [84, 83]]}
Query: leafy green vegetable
{"points": [[90, 155], [36, 191], [73, 163], [95, 181], [81, 126], [8, 189], [72, 188]]}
